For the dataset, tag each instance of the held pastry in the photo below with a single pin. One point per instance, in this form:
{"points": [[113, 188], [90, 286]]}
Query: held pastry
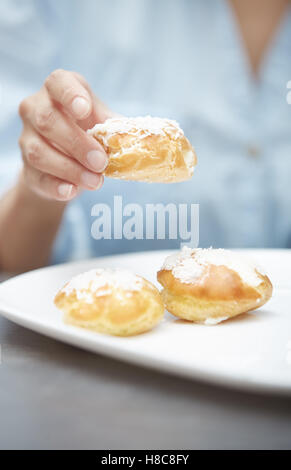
{"points": [[209, 286], [147, 149], [112, 301]]}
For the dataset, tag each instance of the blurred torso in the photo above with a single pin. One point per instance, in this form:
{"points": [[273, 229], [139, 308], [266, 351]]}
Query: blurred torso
{"points": [[184, 60]]}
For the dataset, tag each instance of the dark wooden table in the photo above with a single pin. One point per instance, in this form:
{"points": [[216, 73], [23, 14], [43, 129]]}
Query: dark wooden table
{"points": [[54, 396]]}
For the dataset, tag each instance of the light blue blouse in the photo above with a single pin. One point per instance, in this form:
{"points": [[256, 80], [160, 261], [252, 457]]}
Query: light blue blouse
{"points": [[178, 59]]}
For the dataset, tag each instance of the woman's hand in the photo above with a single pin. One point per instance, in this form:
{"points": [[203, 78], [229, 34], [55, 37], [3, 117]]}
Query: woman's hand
{"points": [[59, 157]]}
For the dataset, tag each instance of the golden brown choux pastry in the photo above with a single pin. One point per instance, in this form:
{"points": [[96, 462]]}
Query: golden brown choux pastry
{"points": [[112, 301], [209, 286], [147, 149]]}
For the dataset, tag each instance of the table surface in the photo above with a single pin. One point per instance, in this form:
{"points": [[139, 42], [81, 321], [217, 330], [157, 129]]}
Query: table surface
{"points": [[55, 396]]}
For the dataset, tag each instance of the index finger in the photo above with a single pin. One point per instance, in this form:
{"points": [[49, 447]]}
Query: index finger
{"points": [[65, 88]]}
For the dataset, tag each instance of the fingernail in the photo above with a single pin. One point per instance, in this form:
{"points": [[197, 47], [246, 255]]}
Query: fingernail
{"points": [[80, 107], [101, 181], [90, 179], [97, 160], [65, 190]]}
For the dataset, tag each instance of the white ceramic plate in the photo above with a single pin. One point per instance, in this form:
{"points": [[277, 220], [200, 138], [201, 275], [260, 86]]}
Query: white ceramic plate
{"points": [[252, 351]]}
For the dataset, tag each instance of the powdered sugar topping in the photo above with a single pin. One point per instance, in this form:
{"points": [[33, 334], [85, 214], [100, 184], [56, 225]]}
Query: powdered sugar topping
{"points": [[137, 126], [189, 264], [97, 282]]}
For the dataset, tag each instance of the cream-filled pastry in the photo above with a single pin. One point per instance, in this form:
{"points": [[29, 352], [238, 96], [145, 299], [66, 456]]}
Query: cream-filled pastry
{"points": [[148, 149], [112, 301], [211, 285]]}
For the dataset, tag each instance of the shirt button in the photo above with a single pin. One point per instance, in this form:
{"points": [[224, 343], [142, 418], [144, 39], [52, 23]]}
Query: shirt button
{"points": [[253, 151]]}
